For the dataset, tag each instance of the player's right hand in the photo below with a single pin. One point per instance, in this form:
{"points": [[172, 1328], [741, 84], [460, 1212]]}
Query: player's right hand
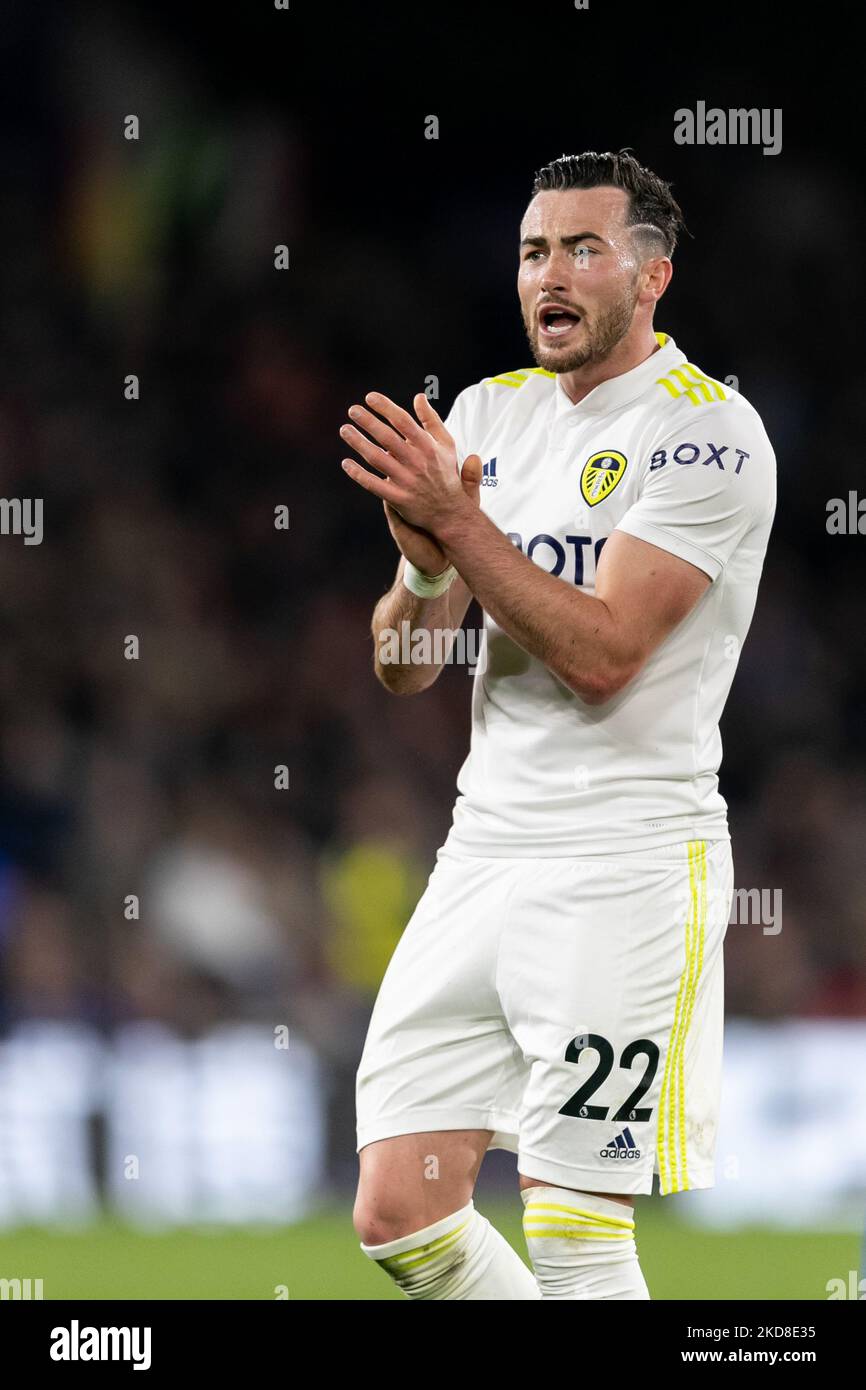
{"points": [[418, 546]]}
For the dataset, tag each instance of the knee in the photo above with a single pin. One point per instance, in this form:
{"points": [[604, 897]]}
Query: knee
{"points": [[379, 1219], [369, 1228]]}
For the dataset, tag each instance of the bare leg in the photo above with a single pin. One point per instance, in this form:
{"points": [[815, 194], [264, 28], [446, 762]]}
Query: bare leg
{"points": [[408, 1182], [543, 1182]]}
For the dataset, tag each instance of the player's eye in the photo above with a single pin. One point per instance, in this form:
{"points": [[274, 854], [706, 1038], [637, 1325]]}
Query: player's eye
{"points": [[529, 255]]}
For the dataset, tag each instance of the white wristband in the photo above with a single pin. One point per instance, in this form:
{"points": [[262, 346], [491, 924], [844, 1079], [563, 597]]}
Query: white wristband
{"points": [[425, 585]]}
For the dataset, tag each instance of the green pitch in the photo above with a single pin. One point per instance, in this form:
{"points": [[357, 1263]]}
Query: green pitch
{"points": [[320, 1259]]}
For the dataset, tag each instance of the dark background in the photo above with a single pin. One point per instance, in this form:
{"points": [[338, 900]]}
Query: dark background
{"points": [[155, 777]]}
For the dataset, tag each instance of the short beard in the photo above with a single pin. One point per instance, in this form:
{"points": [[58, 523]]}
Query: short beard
{"points": [[610, 328]]}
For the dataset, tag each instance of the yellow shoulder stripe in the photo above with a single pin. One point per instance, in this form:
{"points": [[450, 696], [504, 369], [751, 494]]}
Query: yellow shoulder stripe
{"points": [[695, 385], [517, 378]]}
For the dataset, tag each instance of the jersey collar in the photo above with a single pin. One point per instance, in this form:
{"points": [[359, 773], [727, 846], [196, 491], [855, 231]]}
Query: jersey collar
{"points": [[619, 390]]}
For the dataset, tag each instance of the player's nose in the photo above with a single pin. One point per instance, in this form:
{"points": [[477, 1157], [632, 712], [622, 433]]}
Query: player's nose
{"points": [[555, 275]]}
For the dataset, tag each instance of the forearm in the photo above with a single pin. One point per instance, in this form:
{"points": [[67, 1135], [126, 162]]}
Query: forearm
{"points": [[574, 634], [403, 662]]}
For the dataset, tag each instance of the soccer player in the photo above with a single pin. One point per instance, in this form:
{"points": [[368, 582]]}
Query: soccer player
{"points": [[558, 990]]}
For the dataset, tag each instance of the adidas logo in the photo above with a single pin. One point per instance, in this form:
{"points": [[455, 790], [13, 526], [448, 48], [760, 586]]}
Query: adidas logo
{"points": [[488, 474], [623, 1146]]}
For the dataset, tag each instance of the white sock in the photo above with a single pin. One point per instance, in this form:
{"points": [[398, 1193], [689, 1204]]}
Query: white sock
{"points": [[461, 1256], [581, 1246]]}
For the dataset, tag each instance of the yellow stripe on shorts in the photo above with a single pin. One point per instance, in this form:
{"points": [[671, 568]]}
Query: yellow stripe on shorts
{"points": [[672, 1138]]}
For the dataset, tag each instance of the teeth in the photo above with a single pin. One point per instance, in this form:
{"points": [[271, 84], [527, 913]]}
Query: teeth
{"points": [[560, 326]]}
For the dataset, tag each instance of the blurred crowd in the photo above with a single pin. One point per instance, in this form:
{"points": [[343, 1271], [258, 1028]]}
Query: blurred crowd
{"points": [[152, 862]]}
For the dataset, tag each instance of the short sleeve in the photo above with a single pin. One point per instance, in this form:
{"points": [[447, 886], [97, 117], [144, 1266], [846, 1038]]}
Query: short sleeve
{"points": [[698, 499], [458, 421]]}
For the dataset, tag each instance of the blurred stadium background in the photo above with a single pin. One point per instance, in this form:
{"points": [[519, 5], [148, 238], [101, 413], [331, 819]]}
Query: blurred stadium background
{"points": [[176, 1087]]}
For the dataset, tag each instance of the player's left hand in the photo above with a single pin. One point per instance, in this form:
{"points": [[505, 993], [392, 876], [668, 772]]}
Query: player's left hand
{"points": [[418, 458]]}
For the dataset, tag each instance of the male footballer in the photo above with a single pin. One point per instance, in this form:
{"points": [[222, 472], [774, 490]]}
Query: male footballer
{"points": [[558, 990]]}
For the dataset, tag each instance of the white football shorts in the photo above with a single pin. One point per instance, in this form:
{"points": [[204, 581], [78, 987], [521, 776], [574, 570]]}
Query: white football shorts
{"points": [[572, 1006]]}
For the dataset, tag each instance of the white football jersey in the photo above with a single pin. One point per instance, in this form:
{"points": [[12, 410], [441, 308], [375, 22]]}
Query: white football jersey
{"points": [[677, 459]]}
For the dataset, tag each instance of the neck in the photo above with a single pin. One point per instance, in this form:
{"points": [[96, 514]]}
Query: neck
{"points": [[626, 355]]}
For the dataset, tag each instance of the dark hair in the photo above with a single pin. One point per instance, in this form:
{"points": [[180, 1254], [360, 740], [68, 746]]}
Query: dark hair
{"points": [[652, 206]]}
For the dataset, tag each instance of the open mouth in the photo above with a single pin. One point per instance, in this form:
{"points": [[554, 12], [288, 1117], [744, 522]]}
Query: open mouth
{"points": [[554, 321]]}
